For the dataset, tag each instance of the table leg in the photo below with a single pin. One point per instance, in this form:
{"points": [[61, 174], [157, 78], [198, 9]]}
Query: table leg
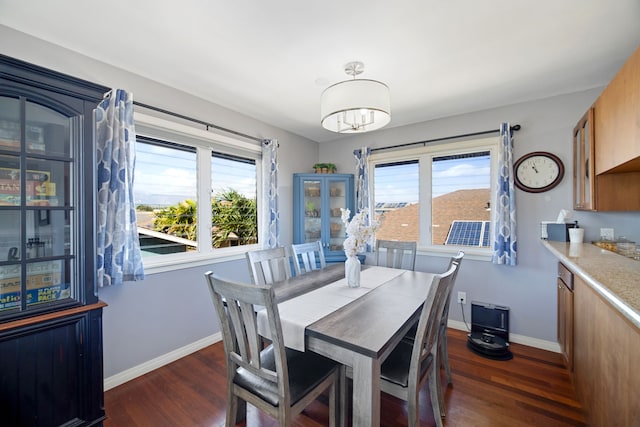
{"points": [[366, 392]]}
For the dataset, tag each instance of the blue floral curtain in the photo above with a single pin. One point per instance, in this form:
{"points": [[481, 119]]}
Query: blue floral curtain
{"points": [[362, 187], [118, 249], [505, 241], [271, 222], [362, 178]]}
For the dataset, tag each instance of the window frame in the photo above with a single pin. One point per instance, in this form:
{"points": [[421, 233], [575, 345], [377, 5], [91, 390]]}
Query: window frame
{"points": [[424, 155], [206, 143]]}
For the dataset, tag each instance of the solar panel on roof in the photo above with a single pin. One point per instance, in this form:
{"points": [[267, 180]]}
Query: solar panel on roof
{"points": [[469, 233]]}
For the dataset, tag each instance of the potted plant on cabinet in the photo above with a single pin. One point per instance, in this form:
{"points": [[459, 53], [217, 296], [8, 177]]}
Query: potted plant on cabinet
{"points": [[324, 168]]}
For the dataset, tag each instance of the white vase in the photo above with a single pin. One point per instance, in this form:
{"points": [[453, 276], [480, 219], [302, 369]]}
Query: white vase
{"points": [[352, 271]]}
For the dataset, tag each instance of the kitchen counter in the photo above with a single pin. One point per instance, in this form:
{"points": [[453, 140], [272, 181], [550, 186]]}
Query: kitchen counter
{"points": [[615, 277]]}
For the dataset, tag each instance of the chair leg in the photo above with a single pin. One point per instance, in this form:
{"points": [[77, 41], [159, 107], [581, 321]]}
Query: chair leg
{"points": [[413, 406], [284, 417], [237, 410], [438, 381], [445, 356], [433, 393]]}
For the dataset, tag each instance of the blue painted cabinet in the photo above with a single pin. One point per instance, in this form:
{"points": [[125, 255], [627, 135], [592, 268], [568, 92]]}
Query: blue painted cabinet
{"points": [[317, 199]]}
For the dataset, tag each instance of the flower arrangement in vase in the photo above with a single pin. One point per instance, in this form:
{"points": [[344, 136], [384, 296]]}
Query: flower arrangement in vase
{"points": [[359, 230]]}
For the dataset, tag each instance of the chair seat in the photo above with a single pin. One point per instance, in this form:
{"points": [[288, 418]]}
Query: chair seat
{"points": [[306, 371], [395, 368]]}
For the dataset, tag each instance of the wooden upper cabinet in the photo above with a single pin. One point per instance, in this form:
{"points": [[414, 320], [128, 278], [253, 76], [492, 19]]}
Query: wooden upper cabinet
{"points": [[617, 121]]}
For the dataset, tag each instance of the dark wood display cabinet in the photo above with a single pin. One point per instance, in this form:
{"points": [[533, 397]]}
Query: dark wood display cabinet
{"points": [[50, 314]]}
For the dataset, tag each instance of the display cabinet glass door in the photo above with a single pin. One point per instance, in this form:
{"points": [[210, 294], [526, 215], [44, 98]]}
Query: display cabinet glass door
{"points": [[37, 204], [318, 200], [337, 200], [312, 210]]}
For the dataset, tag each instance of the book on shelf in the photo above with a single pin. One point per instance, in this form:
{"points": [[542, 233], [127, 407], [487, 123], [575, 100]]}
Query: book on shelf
{"points": [[39, 188]]}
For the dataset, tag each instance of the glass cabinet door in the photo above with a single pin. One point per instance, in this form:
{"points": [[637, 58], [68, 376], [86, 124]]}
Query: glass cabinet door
{"points": [[583, 165], [312, 210], [337, 201], [37, 204]]}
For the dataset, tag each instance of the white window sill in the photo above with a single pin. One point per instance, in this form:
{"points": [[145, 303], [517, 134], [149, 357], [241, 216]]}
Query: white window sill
{"points": [[475, 254]]}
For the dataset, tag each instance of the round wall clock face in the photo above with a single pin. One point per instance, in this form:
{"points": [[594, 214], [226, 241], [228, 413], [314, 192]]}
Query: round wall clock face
{"points": [[538, 171]]}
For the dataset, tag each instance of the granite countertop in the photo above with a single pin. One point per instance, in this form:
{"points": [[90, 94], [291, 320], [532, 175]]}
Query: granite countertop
{"points": [[613, 276]]}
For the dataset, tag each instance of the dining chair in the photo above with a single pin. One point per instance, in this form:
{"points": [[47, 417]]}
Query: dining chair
{"points": [[412, 363], [269, 265], [308, 257], [395, 254], [277, 380]]}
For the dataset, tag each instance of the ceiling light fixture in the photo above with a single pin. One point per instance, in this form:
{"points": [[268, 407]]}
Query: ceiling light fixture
{"points": [[355, 106]]}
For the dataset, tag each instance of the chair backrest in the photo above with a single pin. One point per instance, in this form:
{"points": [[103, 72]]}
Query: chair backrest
{"points": [[307, 257], [268, 266], [236, 305], [429, 324], [396, 251], [457, 261]]}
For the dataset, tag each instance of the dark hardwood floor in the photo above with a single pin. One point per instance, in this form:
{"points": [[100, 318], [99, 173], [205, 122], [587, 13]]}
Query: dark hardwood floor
{"points": [[532, 389]]}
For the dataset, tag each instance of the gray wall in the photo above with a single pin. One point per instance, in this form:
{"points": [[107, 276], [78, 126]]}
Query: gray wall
{"points": [[166, 311], [529, 289]]}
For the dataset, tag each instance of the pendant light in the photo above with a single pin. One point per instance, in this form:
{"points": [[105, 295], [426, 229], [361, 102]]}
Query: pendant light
{"points": [[357, 105]]}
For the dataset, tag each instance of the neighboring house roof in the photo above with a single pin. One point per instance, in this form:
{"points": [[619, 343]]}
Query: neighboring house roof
{"points": [[167, 237], [403, 223], [399, 224]]}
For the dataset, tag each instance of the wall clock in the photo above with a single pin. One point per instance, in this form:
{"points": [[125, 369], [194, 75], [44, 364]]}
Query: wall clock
{"points": [[538, 171]]}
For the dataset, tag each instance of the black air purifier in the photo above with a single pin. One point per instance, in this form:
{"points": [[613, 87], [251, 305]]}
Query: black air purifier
{"points": [[489, 335]]}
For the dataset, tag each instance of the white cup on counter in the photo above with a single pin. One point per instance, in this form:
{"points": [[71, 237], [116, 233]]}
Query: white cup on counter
{"points": [[576, 235]]}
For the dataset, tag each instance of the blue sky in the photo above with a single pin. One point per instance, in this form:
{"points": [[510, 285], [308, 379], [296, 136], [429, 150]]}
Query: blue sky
{"points": [[400, 183], [166, 176]]}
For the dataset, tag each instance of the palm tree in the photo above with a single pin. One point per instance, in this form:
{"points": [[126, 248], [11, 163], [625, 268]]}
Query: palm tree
{"points": [[234, 217], [177, 220]]}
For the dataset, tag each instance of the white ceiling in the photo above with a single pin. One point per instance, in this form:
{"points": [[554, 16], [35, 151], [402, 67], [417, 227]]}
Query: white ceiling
{"points": [[271, 60]]}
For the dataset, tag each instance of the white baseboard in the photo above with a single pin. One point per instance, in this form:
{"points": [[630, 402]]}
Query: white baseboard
{"points": [[165, 359], [519, 339]]}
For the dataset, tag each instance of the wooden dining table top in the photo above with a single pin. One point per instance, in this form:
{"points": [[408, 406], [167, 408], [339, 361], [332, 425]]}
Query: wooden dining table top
{"points": [[362, 333]]}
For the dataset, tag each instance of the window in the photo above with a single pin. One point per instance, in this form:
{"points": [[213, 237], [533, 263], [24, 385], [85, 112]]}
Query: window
{"points": [[396, 200], [195, 192], [234, 210], [447, 186], [165, 190]]}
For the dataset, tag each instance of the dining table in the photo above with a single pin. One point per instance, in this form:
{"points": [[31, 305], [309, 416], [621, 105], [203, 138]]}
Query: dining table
{"points": [[358, 327]]}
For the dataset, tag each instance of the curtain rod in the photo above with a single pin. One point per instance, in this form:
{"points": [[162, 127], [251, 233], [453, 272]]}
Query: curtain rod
{"points": [[191, 119], [513, 128]]}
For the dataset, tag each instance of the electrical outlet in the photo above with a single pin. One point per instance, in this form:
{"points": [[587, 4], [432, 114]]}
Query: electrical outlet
{"points": [[606, 233], [462, 297]]}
